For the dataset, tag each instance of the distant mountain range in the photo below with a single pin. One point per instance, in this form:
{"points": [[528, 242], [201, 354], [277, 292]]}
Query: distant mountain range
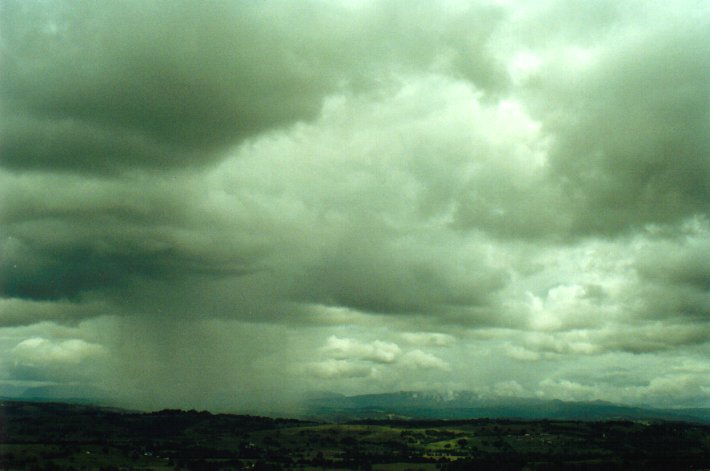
{"points": [[415, 405], [469, 405], [70, 394]]}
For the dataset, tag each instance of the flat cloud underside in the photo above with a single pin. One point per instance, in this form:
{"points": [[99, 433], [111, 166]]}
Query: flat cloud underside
{"points": [[112, 85], [67, 272]]}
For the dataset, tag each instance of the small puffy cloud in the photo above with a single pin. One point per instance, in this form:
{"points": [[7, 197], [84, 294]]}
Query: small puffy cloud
{"points": [[673, 388], [39, 351], [666, 389], [521, 353], [563, 306], [44, 359], [328, 369], [567, 390], [418, 359], [383, 363], [509, 388], [575, 342], [376, 351]]}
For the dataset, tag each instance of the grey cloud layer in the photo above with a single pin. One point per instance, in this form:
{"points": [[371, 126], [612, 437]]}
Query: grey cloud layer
{"points": [[107, 85], [632, 119], [99, 87], [390, 187]]}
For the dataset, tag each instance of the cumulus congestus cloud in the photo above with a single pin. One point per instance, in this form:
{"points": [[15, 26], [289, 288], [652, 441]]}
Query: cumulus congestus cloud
{"points": [[241, 201], [119, 108]]}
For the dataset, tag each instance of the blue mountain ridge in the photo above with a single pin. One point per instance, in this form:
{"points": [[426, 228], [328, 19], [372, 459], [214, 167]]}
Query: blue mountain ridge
{"points": [[469, 405], [451, 405]]}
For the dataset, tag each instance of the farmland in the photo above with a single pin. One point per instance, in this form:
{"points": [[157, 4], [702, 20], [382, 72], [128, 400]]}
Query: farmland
{"points": [[70, 437]]}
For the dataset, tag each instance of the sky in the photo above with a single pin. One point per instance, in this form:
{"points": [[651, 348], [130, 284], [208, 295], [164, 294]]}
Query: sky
{"points": [[233, 204]]}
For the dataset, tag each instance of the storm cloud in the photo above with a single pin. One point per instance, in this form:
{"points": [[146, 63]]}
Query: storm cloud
{"points": [[239, 202]]}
